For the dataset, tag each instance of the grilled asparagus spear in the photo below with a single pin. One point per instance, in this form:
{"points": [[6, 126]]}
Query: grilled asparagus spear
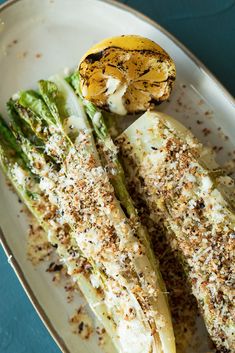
{"points": [[75, 182], [180, 182]]}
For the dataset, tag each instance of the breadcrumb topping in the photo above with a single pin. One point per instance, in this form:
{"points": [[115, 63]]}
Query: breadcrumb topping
{"points": [[188, 198], [95, 237]]}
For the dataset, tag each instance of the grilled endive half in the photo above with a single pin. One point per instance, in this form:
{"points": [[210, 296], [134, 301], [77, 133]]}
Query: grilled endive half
{"points": [[181, 183], [19, 170], [104, 246]]}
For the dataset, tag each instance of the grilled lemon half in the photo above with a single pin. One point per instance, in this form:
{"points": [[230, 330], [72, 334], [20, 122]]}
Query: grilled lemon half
{"points": [[126, 74]]}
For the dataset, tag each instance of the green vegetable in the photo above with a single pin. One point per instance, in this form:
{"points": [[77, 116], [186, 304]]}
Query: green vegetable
{"points": [[194, 203], [112, 250], [109, 154], [23, 177]]}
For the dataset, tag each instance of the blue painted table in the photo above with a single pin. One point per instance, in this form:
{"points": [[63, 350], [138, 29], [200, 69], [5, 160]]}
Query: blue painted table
{"points": [[207, 28]]}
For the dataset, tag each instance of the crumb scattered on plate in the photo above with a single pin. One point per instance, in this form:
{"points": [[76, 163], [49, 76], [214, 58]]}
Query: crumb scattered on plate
{"points": [[101, 335], [38, 247], [38, 55], [81, 323]]}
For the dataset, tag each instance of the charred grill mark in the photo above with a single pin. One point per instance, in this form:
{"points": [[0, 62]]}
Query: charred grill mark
{"points": [[171, 78], [154, 101], [145, 72], [92, 58], [111, 65]]}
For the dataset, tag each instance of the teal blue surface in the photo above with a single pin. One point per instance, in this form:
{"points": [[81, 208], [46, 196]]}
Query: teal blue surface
{"points": [[21, 330], [207, 28]]}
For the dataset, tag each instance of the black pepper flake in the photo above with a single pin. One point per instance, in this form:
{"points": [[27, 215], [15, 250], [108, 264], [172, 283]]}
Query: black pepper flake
{"points": [[201, 204], [206, 131], [53, 267], [80, 327]]}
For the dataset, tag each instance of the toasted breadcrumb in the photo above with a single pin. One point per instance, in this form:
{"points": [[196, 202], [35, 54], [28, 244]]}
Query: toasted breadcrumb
{"points": [[81, 323], [180, 192]]}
